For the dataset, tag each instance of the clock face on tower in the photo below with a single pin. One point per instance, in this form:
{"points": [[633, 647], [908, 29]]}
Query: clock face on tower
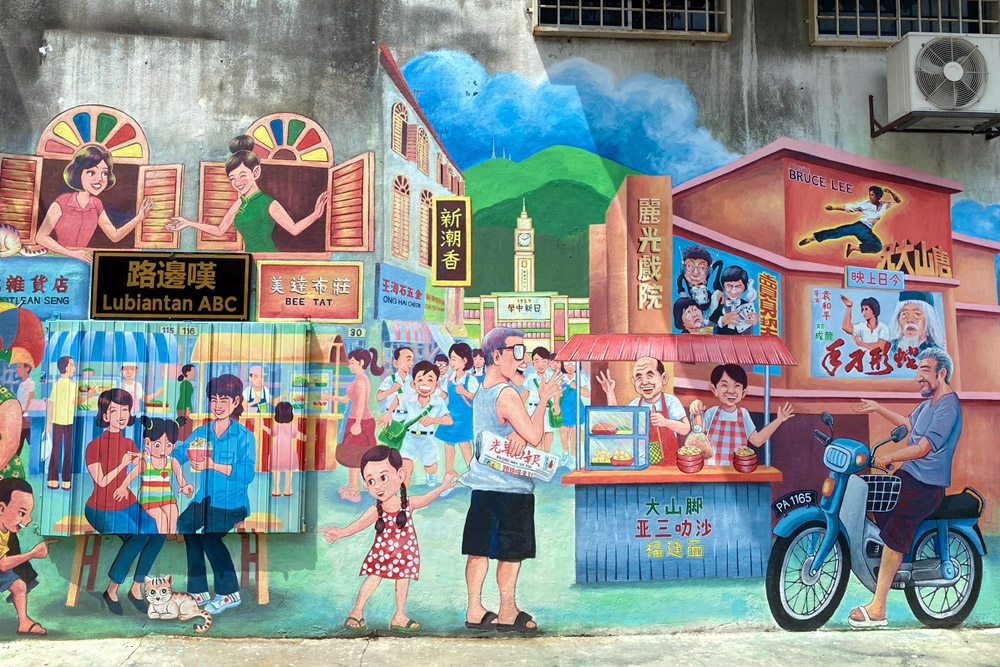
{"points": [[524, 240]]}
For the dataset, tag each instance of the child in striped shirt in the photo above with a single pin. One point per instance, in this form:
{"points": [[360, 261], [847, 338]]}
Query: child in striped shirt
{"points": [[156, 472]]}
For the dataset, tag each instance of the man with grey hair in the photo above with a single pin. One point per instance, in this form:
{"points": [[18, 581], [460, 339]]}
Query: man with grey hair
{"points": [[935, 426], [500, 524], [915, 322]]}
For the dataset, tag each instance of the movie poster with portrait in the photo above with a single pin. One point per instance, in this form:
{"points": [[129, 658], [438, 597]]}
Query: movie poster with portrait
{"points": [[859, 333], [718, 293]]}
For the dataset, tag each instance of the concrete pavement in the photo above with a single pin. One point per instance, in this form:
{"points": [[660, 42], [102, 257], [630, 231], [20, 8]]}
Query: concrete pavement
{"points": [[883, 648]]}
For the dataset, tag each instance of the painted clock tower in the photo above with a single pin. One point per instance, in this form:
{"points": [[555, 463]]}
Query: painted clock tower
{"points": [[524, 253]]}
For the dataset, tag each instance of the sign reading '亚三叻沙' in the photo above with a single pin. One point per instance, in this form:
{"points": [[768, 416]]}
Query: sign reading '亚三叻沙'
{"points": [[170, 286]]}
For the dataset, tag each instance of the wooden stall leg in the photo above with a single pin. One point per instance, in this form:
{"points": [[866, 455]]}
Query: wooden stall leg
{"points": [[76, 575], [245, 559], [260, 570], [91, 560]]}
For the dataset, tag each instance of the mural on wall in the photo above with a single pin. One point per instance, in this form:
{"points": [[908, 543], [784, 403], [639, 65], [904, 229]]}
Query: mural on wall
{"points": [[544, 435]]}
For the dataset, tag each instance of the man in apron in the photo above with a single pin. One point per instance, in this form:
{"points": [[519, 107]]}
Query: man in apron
{"points": [[667, 417], [728, 425]]}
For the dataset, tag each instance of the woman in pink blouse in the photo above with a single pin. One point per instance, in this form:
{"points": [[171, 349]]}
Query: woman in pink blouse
{"points": [[360, 435], [71, 221]]}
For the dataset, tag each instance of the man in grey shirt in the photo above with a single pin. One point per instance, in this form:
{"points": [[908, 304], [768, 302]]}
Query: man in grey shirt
{"points": [[500, 524], [935, 426]]}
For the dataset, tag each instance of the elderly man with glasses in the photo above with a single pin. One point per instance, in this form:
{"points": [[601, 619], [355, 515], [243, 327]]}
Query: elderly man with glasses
{"points": [[500, 524]]}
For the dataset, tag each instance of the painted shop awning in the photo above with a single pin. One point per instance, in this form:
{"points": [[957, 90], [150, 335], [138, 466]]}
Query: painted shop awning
{"points": [[88, 340], [418, 333], [744, 350], [252, 342]]}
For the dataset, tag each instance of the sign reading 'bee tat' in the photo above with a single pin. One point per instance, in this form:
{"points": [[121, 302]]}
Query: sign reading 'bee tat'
{"points": [[451, 243], [170, 286]]}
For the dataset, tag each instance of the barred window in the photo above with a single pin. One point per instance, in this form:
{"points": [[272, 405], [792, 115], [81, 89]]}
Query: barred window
{"points": [[635, 18], [888, 20]]}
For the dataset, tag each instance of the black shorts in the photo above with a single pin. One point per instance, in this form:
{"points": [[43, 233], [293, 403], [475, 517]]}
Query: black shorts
{"points": [[916, 502], [500, 526]]}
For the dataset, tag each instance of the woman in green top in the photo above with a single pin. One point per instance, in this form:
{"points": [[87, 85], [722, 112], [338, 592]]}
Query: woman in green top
{"points": [[254, 213], [185, 392]]}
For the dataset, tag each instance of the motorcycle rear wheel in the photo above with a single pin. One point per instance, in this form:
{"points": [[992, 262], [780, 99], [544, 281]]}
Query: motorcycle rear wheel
{"points": [[947, 607], [799, 601]]}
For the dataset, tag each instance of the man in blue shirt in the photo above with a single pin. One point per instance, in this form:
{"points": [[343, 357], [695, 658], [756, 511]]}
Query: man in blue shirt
{"points": [[935, 426], [221, 500]]}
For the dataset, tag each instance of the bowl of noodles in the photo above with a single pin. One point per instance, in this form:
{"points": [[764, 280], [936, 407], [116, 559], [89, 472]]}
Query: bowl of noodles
{"points": [[690, 459], [744, 459]]}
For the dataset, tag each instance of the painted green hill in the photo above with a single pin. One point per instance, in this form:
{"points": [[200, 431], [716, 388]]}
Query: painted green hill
{"points": [[493, 181], [561, 213]]}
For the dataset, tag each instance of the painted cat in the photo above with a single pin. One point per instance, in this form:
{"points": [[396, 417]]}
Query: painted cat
{"points": [[10, 244], [165, 604]]}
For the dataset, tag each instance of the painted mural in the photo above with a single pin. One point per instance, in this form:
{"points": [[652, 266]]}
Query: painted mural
{"points": [[553, 352]]}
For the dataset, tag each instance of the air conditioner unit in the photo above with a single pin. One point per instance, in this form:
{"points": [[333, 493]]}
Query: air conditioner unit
{"points": [[944, 82]]}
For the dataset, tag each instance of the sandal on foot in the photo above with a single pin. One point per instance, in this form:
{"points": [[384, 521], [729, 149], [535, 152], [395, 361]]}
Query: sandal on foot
{"points": [[520, 624], [31, 630], [867, 621], [487, 622], [360, 623], [410, 627]]}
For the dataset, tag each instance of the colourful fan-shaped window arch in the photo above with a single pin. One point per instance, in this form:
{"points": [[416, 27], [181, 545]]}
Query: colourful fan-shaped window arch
{"points": [[290, 137], [93, 124]]}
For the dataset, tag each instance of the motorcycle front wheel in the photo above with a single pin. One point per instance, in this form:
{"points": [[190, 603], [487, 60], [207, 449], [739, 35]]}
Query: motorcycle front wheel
{"points": [[947, 607], [799, 600]]}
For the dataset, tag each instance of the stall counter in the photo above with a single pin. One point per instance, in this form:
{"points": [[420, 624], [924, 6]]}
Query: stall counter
{"points": [[660, 523]]}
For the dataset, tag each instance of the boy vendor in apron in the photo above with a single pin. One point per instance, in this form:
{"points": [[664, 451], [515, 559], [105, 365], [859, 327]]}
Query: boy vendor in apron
{"points": [[667, 418], [729, 426]]}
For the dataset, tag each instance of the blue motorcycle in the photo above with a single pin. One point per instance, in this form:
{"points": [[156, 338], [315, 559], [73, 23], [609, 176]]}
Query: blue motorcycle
{"points": [[818, 544]]}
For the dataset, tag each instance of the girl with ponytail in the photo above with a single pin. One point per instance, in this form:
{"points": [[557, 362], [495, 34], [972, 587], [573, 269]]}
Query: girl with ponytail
{"points": [[157, 469], [254, 213], [395, 554]]}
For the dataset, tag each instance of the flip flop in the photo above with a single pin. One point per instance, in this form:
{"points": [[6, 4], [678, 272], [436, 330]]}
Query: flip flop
{"points": [[34, 625], [520, 624], [487, 622], [410, 627], [867, 622], [361, 625]]}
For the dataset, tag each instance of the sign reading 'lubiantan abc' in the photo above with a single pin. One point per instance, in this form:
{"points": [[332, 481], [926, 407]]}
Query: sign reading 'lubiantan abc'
{"points": [[170, 286]]}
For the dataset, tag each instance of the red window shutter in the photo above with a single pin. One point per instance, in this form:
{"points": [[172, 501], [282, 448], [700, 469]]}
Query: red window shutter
{"points": [[411, 142], [215, 196], [163, 184], [19, 177], [351, 209]]}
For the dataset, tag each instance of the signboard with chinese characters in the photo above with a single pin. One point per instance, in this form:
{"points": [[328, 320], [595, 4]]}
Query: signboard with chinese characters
{"points": [[521, 308], [859, 276], [317, 291], [638, 532], [52, 288], [872, 333], [434, 304], [451, 246], [720, 293], [649, 229], [170, 286], [872, 220], [531, 462], [399, 294]]}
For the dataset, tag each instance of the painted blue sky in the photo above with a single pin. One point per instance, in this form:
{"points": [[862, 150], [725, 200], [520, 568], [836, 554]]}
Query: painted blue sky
{"points": [[644, 122]]}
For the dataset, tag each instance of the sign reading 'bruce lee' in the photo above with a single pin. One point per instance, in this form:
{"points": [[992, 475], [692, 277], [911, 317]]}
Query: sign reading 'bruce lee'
{"points": [[170, 286]]}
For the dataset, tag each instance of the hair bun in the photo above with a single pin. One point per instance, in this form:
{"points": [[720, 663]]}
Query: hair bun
{"points": [[241, 143], [146, 422], [181, 420]]}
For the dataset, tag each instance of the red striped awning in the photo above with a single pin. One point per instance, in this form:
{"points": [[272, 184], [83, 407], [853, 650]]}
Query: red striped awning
{"points": [[743, 350]]}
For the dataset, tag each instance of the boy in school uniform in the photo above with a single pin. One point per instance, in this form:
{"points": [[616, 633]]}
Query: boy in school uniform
{"points": [[427, 410]]}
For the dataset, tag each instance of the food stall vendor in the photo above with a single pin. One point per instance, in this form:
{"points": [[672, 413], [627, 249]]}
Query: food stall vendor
{"points": [[667, 418], [635, 522]]}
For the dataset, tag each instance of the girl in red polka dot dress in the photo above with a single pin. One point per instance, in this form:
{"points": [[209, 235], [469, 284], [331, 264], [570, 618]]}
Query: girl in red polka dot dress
{"points": [[395, 554]]}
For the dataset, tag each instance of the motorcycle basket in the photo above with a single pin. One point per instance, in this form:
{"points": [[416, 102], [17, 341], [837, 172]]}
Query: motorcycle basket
{"points": [[883, 492]]}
